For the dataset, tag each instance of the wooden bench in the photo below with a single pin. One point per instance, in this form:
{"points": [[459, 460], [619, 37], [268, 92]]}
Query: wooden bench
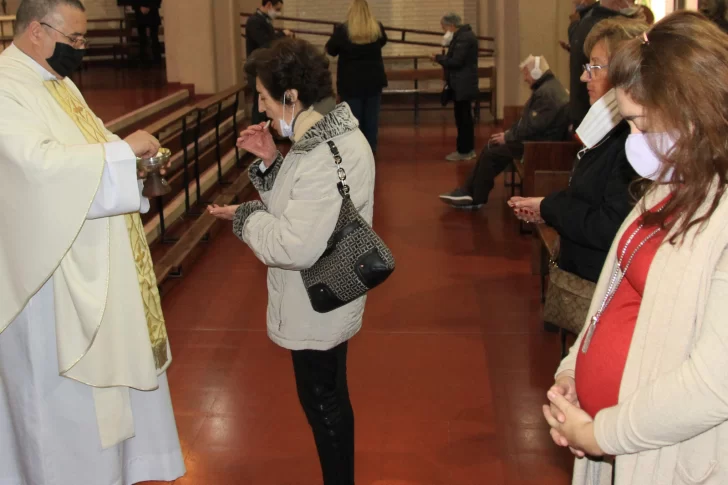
{"points": [[554, 156], [212, 109], [7, 28], [543, 156], [114, 37], [170, 265], [545, 243], [434, 74], [543, 248]]}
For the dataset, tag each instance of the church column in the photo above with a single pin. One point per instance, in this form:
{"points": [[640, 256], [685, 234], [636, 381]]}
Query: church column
{"points": [[202, 41]]}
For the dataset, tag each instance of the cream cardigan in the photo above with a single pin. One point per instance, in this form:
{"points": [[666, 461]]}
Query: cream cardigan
{"points": [[670, 424]]}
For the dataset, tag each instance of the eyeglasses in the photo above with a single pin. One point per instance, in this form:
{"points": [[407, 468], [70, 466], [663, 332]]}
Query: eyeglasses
{"points": [[590, 67], [78, 42]]}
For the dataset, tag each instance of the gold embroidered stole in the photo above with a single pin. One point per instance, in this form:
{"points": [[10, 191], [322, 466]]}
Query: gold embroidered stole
{"points": [[87, 123]]}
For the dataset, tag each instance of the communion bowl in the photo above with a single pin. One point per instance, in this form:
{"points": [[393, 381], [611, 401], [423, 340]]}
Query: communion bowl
{"points": [[154, 184]]}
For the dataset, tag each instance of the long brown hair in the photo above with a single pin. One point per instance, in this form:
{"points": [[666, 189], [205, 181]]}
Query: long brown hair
{"points": [[679, 74]]}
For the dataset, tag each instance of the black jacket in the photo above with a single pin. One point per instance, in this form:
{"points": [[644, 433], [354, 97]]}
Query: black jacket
{"points": [[544, 115], [145, 3], [579, 100], [588, 214], [461, 64], [360, 72], [259, 32], [150, 19]]}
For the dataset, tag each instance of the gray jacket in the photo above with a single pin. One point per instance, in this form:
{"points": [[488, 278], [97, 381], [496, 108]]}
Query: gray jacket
{"points": [[545, 114], [288, 230]]}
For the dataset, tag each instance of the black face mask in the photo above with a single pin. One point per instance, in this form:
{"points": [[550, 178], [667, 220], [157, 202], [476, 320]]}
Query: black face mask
{"points": [[65, 59]]}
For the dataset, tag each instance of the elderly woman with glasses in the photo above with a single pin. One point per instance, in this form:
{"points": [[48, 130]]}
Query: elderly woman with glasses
{"points": [[589, 212]]}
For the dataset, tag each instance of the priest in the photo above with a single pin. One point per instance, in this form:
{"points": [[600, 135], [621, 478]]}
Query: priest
{"points": [[83, 346]]}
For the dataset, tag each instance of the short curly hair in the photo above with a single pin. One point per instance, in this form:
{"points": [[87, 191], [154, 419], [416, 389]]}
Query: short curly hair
{"points": [[292, 64]]}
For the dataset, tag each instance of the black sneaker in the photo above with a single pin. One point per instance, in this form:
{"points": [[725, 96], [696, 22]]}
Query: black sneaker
{"points": [[457, 197]]}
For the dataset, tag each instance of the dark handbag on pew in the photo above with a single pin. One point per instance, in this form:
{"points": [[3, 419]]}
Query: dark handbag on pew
{"points": [[447, 95], [355, 260], [568, 299]]}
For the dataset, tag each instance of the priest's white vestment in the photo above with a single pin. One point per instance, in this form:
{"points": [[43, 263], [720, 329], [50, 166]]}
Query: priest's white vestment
{"points": [[84, 398]]}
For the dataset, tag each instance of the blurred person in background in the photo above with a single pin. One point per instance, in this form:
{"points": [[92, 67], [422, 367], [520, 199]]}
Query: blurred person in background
{"points": [[716, 11], [578, 96], [147, 16], [581, 8], [544, 119], [260, 33], [360, 74], [461, 75]]}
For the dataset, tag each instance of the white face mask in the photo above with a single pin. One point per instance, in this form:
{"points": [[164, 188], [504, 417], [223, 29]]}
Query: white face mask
{"points": [[643, 159], [447, 38], [287, 128], [274, 14], [601, 118]]}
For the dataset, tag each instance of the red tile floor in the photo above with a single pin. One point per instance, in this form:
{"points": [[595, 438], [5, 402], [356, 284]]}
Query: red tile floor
{"points": [[447, 376]]}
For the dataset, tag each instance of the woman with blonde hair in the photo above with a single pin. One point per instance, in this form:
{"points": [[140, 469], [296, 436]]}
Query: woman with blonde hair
{"points": [[642, 397], [358, 42]]}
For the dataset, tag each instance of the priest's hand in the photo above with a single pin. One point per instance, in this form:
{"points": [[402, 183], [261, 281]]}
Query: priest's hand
{"points": [[258, 140], [143, 144], [226, 212]]}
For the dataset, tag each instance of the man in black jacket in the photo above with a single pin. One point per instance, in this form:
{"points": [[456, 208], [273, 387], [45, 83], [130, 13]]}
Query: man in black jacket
{"points": [[579, 97], [715, 10], [259, 33], [461, 74], [147, 17], [544, 119]]}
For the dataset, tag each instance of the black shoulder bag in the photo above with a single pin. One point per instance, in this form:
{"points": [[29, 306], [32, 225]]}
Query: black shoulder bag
{"points": [[355, 260]]}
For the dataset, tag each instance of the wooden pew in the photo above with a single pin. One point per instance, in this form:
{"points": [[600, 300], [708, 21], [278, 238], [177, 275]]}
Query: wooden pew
{"points": [[511, 115], [227, 190], [433, 74], [539, 156], [544, 156], [546, 240], [546, 182]]}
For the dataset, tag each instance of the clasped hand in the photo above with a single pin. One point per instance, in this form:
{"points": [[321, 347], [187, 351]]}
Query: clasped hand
{"points": [[527, 209], [570, 425]]}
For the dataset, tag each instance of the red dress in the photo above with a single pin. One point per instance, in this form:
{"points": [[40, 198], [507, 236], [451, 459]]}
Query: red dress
{"points": [[599, 371]]}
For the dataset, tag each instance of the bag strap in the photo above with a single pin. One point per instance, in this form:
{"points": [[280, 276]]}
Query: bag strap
{"points": [[553, 260], [342, 185]]}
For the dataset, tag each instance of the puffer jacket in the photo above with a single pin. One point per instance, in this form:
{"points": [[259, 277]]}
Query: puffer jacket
{"points": [[289, 229]]}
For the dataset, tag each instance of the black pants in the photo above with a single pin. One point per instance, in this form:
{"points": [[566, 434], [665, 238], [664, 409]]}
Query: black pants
{"points": [[366, 110], [466, 128], [324, 396], [491, 162], [149, 21]]}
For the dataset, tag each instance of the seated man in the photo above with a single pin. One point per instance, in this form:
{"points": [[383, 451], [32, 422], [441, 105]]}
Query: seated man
{"points": [[545, 118]]}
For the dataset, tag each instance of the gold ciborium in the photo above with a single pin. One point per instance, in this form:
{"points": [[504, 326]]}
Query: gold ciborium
{"points": [[154, 184]]}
